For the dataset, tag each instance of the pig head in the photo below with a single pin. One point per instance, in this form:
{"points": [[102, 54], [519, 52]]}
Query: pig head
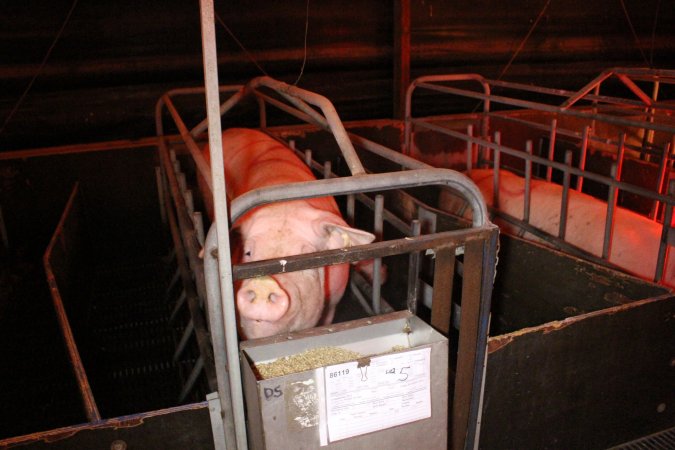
{"points": [[287, 301], [635, 240]]}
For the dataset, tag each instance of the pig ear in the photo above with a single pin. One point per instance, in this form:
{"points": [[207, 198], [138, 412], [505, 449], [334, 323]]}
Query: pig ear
{"points": [[340, 236]]}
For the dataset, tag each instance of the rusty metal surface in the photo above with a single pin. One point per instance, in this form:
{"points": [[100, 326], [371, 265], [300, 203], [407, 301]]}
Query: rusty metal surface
{"points": [[176, 428], [592, 380]]}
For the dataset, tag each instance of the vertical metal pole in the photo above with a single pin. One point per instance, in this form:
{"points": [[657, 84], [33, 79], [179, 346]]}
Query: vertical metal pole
{"points": [[160, 192], [469, 148], [551, 148], [609, 220], [401, 56], [660, 182], [377, 262], [564, 203], [582, 156], [497, 158], [413, 270], [528, 183], [665, 235], [220, 208]]}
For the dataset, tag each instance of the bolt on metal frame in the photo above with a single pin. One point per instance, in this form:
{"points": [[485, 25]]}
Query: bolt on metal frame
{"points": [[605, 109]]}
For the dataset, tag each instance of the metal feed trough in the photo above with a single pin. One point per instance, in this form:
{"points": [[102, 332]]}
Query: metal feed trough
{"points": [[475, 246]]}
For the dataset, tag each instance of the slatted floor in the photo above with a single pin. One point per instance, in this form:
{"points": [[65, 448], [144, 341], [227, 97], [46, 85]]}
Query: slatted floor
{"points": [[130, 345], [665, 440]]}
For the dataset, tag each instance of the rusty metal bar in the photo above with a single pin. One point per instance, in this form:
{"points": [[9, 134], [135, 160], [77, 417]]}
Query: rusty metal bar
{"points": [[441, 303], [413, 270], [88, 401], [478, 277]]}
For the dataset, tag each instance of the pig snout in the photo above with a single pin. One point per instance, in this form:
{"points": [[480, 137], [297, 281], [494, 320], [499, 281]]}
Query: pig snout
{"points": [[262, 299]]}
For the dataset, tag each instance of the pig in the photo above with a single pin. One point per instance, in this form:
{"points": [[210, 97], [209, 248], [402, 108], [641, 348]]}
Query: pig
{"points": [[291, 301], [635, 242]]}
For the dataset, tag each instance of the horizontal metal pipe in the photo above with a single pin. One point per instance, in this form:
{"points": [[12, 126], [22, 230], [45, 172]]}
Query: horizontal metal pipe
{"points": [[367, 183], [608, 181]]}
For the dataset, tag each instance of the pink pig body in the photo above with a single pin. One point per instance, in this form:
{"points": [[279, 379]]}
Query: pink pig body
{"points": [[635, 241], [288, 301]]}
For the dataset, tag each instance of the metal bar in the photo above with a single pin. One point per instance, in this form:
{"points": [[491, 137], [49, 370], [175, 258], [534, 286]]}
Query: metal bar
{"points": [[666, 231], [224, 108], [378, 226], [469, 149], [88, 401], [608, 181], [160, 192], [332, 120], [564, 200], [495, 172], [542, 107], [179, 304], [527, 195], [221, 226], [586, 89], [198, 221], [551, 148], [609, 220], [560, 131], [195, 151], [437, 78], [471, 345], [485, 254], [187, 333], [357, 253], [441, 303], [661, 180], [646, 99], [187, 250], [582, 156], [192, 379], [401, 56], [413, 270], [366, 183], [71, 149]]}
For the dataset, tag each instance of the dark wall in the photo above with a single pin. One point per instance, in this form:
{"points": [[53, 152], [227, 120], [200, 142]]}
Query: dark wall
{"points": [[115, 58]]}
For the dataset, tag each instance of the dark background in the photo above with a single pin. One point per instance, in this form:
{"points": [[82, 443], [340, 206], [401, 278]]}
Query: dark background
{"points": [[114, 59]]}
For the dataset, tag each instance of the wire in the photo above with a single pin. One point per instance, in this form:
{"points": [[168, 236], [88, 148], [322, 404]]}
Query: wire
{"points": [[656, 19], [304, 58], [244, 49], [18, 103], [632, 30], [522, 43], [250, 56]]}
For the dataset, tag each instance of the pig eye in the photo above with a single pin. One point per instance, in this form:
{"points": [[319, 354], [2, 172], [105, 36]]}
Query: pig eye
{"points": [[247, 253]]}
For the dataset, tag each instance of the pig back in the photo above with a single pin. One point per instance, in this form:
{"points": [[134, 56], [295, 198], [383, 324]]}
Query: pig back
{"points": [[254, 160]]}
